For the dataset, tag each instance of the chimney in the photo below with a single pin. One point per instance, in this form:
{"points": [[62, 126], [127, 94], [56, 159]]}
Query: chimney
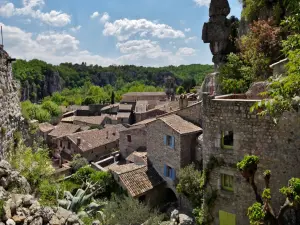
{"points": [[78, 141]]}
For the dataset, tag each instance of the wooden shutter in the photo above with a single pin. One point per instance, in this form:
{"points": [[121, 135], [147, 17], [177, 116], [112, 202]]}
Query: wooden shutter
{"points": [[173, 142], [173, 174], [165, 170], [165, 139]]}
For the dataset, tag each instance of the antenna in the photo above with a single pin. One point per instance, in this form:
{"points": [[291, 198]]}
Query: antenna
{"points": [[1, 36]]}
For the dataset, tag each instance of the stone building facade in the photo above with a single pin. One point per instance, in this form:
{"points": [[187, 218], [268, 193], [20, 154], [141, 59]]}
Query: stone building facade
{"points": [[171, 145], [230, 133], [10, 110], [132, 139]]}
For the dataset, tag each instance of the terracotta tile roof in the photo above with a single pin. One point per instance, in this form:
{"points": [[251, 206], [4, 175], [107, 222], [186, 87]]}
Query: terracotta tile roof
{"points": [[180, 125], [139, 181], [92, 139], [143, 122], [120, 169], [63, 129], [126, 107], [93, 120], [145, 94], [123, 114], [142, 155], [46, 127], [110, 106]]}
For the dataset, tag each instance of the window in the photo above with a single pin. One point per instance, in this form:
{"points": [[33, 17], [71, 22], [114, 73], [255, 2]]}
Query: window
{"points": [[169, 141], [129, 138], [69, 145], [227, 140], [169, 172], [227, 182]]}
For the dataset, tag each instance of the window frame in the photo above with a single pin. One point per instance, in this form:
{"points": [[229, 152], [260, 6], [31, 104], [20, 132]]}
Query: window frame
{"points": [[226, 147], [225, 186], [129, 138], [169, 141]]}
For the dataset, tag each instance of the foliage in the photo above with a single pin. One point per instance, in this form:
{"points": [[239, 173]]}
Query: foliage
{"points": [[256, 213], [35, 166], [262, 212], [249, 161], [52, 108], [3, 131], [33, 72], [180, 90], [189, 184], [34, 112], [2, 202], [126, 210], [78, 162]]}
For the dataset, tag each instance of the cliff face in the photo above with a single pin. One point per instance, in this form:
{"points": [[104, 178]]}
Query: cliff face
{"points": [[51, 83], [10, 110]]}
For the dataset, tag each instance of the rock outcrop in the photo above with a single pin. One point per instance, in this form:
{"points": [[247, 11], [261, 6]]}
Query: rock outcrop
{"points": [[24, 208], [10, 111]]}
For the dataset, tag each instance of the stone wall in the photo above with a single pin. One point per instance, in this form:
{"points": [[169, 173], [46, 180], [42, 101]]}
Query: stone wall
{"points": [[191, 113], [276, 145], [138, 139], [10, 111]]}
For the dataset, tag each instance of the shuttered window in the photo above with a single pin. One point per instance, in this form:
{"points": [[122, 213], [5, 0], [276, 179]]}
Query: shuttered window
{"points": [[169, 172], [227, 182], [169, 141]]}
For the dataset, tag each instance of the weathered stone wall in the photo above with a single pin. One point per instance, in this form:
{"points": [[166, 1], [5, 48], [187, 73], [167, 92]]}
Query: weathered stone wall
{"points": [[10, 111], [148, 114], [278, 147], [138, 139], [191, 113]]}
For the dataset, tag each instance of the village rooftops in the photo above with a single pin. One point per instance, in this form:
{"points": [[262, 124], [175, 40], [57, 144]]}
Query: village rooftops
{"points": [[120, 169], [92, 120], [110, 106], [63, 129], [141, 155], [139, 181], [94, 138], [180, 125], [46, 127], [125, 107], [144, 122], [145, 94]]}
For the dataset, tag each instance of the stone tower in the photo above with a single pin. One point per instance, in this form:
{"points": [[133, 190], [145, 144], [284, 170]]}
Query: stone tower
{"points": [[170, 87], [216, 32]]}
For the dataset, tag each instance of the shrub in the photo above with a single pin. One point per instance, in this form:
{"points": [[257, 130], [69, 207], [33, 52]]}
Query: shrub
{"points": [[52, 108]]}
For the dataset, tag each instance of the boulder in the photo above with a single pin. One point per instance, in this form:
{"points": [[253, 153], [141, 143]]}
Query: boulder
{"points": [[185, 220], [256, 88], [35, 207], [5, 165], [175, 215], [46, 214], [18, 219], [54, 221], [10, 222], [27, 200], [37, 221]]}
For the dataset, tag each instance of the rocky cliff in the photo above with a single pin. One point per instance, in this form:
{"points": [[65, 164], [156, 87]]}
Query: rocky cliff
{"points": [[10, 111]]}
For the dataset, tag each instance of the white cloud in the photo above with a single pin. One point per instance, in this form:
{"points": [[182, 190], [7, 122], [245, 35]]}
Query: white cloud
{"points": [[187, 29], [52, 18], [185, 51], [123, 29], [58, 47], [202, 2], [190, 39], [75, 29], [104, 18], [94, 15]]}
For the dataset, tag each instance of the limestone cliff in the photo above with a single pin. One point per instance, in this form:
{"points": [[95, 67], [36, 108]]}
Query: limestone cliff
{"points": [[10, 110]]}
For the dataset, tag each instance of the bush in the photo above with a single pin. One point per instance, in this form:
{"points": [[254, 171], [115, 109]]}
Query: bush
{"points": [[78, 162], [52, 108]]}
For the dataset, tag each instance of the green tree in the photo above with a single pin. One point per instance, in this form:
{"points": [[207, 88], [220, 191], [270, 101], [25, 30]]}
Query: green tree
{"points": [[262, 212], [112, 98]]}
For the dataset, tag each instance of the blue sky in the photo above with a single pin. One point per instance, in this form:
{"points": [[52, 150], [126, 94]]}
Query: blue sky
{"points": [[105, 32]]}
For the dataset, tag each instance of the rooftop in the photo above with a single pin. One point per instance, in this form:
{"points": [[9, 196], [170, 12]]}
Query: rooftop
{"points": [[142, 155], [91, 139], [235, 97], [126, 107], [145, 94], [63, 129], [69, 119], [140, 181], [123, 114], [46, 127], [120, 169], [143, 122], [180, 125], [95, 120], [110, 106]]}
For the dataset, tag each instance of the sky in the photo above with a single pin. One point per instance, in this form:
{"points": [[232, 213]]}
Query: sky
{"points": [[108, 32]]}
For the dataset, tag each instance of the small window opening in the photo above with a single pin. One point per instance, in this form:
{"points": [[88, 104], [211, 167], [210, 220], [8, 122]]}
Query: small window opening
{"points": [[227, 140]]}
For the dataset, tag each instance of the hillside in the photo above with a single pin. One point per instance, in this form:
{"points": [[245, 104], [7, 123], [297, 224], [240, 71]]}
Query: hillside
{"points": [[40, 79]]}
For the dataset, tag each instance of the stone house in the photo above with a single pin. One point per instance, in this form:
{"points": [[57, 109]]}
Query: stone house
{"points": [[45, 129], [137, 96], [124, 118], [93, 145], [132, 139], [61, 130], [152, 113], [171, 145], [230, 133]]}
